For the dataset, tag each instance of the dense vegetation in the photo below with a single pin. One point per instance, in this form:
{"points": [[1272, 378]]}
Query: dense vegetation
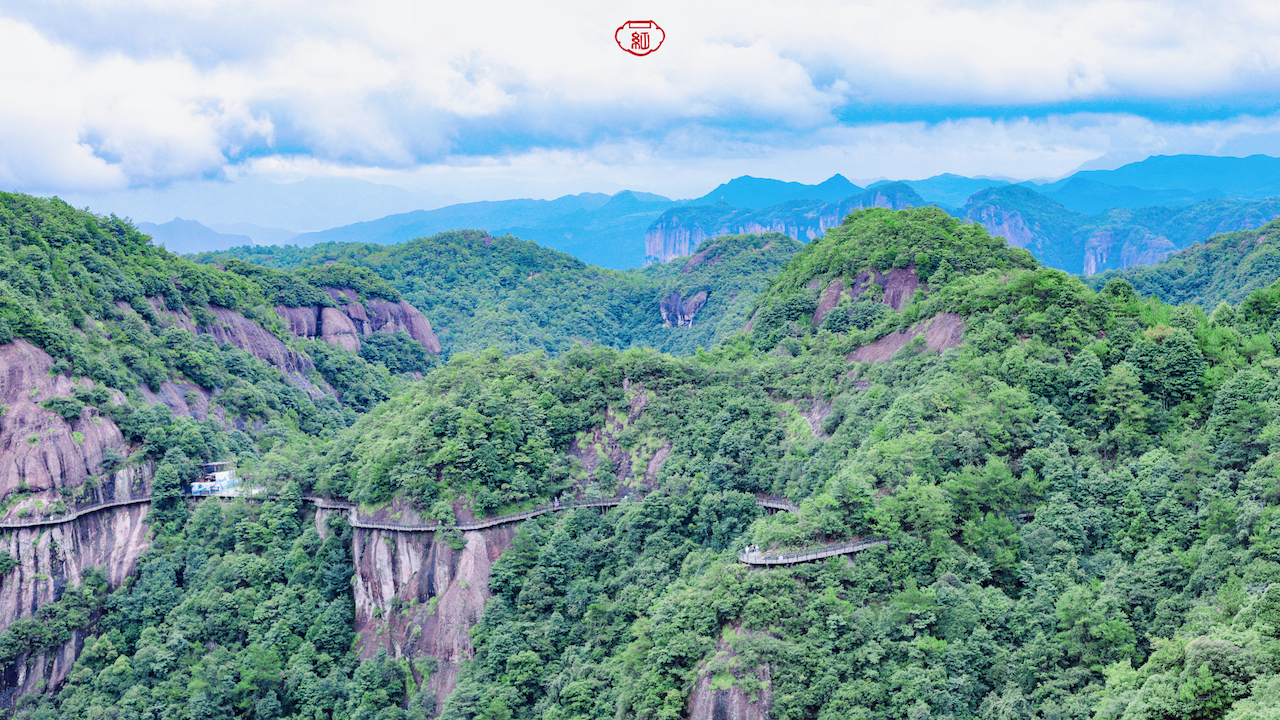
{"points": [[1081, 500], [484, 292], [108, 305], [1141, 586], [1225, 268], [243, 610]]}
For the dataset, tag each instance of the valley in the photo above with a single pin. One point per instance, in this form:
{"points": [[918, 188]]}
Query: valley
{"points": [[903, 469]]}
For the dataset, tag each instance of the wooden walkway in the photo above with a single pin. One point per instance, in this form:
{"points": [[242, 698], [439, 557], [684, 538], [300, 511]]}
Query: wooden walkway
{"points": [[481, 524], [60, 519], [353, 517], [324, 504], [808, 554]]}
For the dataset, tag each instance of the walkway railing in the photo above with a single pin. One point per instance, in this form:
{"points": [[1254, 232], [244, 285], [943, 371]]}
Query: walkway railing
{"points": [[354, 517], [808, 554], [481, 524], [775, 503], [325, 504], [60, 519]]}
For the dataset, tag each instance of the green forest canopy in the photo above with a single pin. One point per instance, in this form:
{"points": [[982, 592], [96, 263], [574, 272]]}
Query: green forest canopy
{"points": [[1081, 499]]}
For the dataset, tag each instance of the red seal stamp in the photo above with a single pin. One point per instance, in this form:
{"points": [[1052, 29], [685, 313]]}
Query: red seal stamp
{"points": [[639, 37]]}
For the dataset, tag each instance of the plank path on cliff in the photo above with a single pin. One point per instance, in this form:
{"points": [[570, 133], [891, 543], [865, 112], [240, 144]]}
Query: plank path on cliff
{"points": [[746, 556]]}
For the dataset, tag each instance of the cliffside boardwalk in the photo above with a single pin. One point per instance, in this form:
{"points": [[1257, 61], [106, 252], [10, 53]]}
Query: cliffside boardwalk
{"points": [[808, 554], [325, 504], [80, 512], [353, 517], [481, 524]]}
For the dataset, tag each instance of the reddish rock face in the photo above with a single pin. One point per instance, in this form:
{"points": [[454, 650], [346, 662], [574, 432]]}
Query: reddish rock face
{"points": [[899, 285], [239, 331], [943, 331], [829, 299], [344, 326], [337, 329], [40, 453], [440, 593], [41, 457]]}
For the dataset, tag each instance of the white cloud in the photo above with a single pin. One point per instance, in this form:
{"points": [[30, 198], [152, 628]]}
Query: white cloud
{"points": [[691, 161], [146, 91]]}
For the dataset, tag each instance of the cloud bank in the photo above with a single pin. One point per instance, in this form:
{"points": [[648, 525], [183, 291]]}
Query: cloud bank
{"points": [[480, 100]]}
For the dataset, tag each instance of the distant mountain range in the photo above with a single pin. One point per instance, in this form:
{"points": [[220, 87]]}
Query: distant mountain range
{"points": [[314, 203], [189, 236], [758, 193], [596, 228], [1089, 222], [1083, 224]]}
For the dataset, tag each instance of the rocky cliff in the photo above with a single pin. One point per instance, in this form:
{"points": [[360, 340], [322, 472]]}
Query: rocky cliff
{"points": [[725, 690], [344, 325], [417, 597], [48, 464], [680, 230], [1113, 240], [679, 312], [1122, 248], [233, 328], [45, 460]]}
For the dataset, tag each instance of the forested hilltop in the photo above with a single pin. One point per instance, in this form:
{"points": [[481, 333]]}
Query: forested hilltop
{"points": [[501, 292], [1225, 268], [1078, 490]]}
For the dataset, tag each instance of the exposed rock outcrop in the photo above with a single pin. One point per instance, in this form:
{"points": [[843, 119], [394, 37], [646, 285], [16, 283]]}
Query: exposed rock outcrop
{"points": [[183, 400], [718, 693], [1124, 248], [899, 285], [1008, 224], [52, 559], [680, 312], [941, 332], [344, 325], [232, 328], [828, 300], [418, 597], [43, 456], [47, 463]]}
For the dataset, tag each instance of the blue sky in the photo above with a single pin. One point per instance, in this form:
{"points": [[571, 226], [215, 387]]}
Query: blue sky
{"points": [[496, 100]]}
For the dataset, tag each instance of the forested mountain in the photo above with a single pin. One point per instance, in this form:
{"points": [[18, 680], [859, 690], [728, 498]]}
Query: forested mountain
{"points": [[596, 228], [124, 368], [484, 292], [1078, 225], [1226, 268], [189, 236], [1076, 492], [758, 193]]}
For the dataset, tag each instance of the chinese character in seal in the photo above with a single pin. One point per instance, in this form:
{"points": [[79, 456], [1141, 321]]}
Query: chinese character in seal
{"points": [[639, 37]]}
